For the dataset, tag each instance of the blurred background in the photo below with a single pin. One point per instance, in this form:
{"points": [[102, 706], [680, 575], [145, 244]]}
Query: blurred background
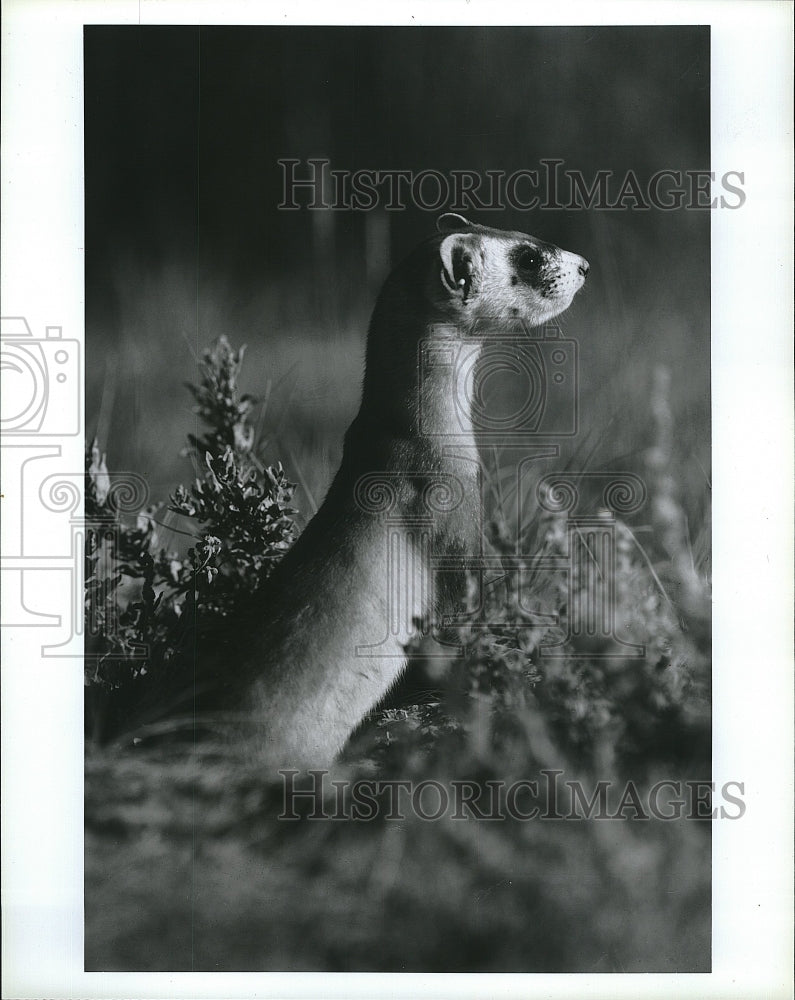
{"points": [[185, 240], [184, 128]]}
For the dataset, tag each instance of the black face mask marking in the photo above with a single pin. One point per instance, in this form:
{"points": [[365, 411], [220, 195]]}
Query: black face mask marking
{"points": [[535, 265]]}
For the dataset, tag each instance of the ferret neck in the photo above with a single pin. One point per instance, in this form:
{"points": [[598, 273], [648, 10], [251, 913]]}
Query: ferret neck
{"points": [[422, 391]]}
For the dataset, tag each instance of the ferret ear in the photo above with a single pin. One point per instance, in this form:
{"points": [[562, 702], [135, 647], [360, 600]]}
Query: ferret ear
{"points": [[461, 264], [452, 223]]}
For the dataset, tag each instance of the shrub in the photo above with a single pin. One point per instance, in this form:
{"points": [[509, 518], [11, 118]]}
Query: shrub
{"points": [[242, 524], [184, 846]]}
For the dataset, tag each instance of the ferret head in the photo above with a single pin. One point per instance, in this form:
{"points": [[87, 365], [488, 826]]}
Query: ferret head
{"points": [[490, 276], [467, 281]]}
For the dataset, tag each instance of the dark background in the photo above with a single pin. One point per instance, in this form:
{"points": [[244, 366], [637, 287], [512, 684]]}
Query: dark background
{"points": [[184, 240]]}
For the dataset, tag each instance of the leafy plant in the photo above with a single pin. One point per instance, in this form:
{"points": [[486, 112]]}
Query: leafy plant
{"points": [[450, 895], [147, 606]]}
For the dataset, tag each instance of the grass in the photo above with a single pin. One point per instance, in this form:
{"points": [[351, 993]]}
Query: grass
{"points": [[188, 866]]}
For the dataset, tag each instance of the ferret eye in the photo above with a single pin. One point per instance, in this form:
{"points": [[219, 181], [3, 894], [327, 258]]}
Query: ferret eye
{"points": [[529, 259]]}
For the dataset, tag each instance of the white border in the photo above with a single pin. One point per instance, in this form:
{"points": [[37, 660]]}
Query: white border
{"points": [[42, 277]]}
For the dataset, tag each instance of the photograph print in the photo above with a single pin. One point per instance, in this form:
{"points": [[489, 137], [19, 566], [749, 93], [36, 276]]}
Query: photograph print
{"points": [[398, 499]]}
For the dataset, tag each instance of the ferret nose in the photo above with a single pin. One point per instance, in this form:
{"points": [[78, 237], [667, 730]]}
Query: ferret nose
{"points": [[584, 267]]}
